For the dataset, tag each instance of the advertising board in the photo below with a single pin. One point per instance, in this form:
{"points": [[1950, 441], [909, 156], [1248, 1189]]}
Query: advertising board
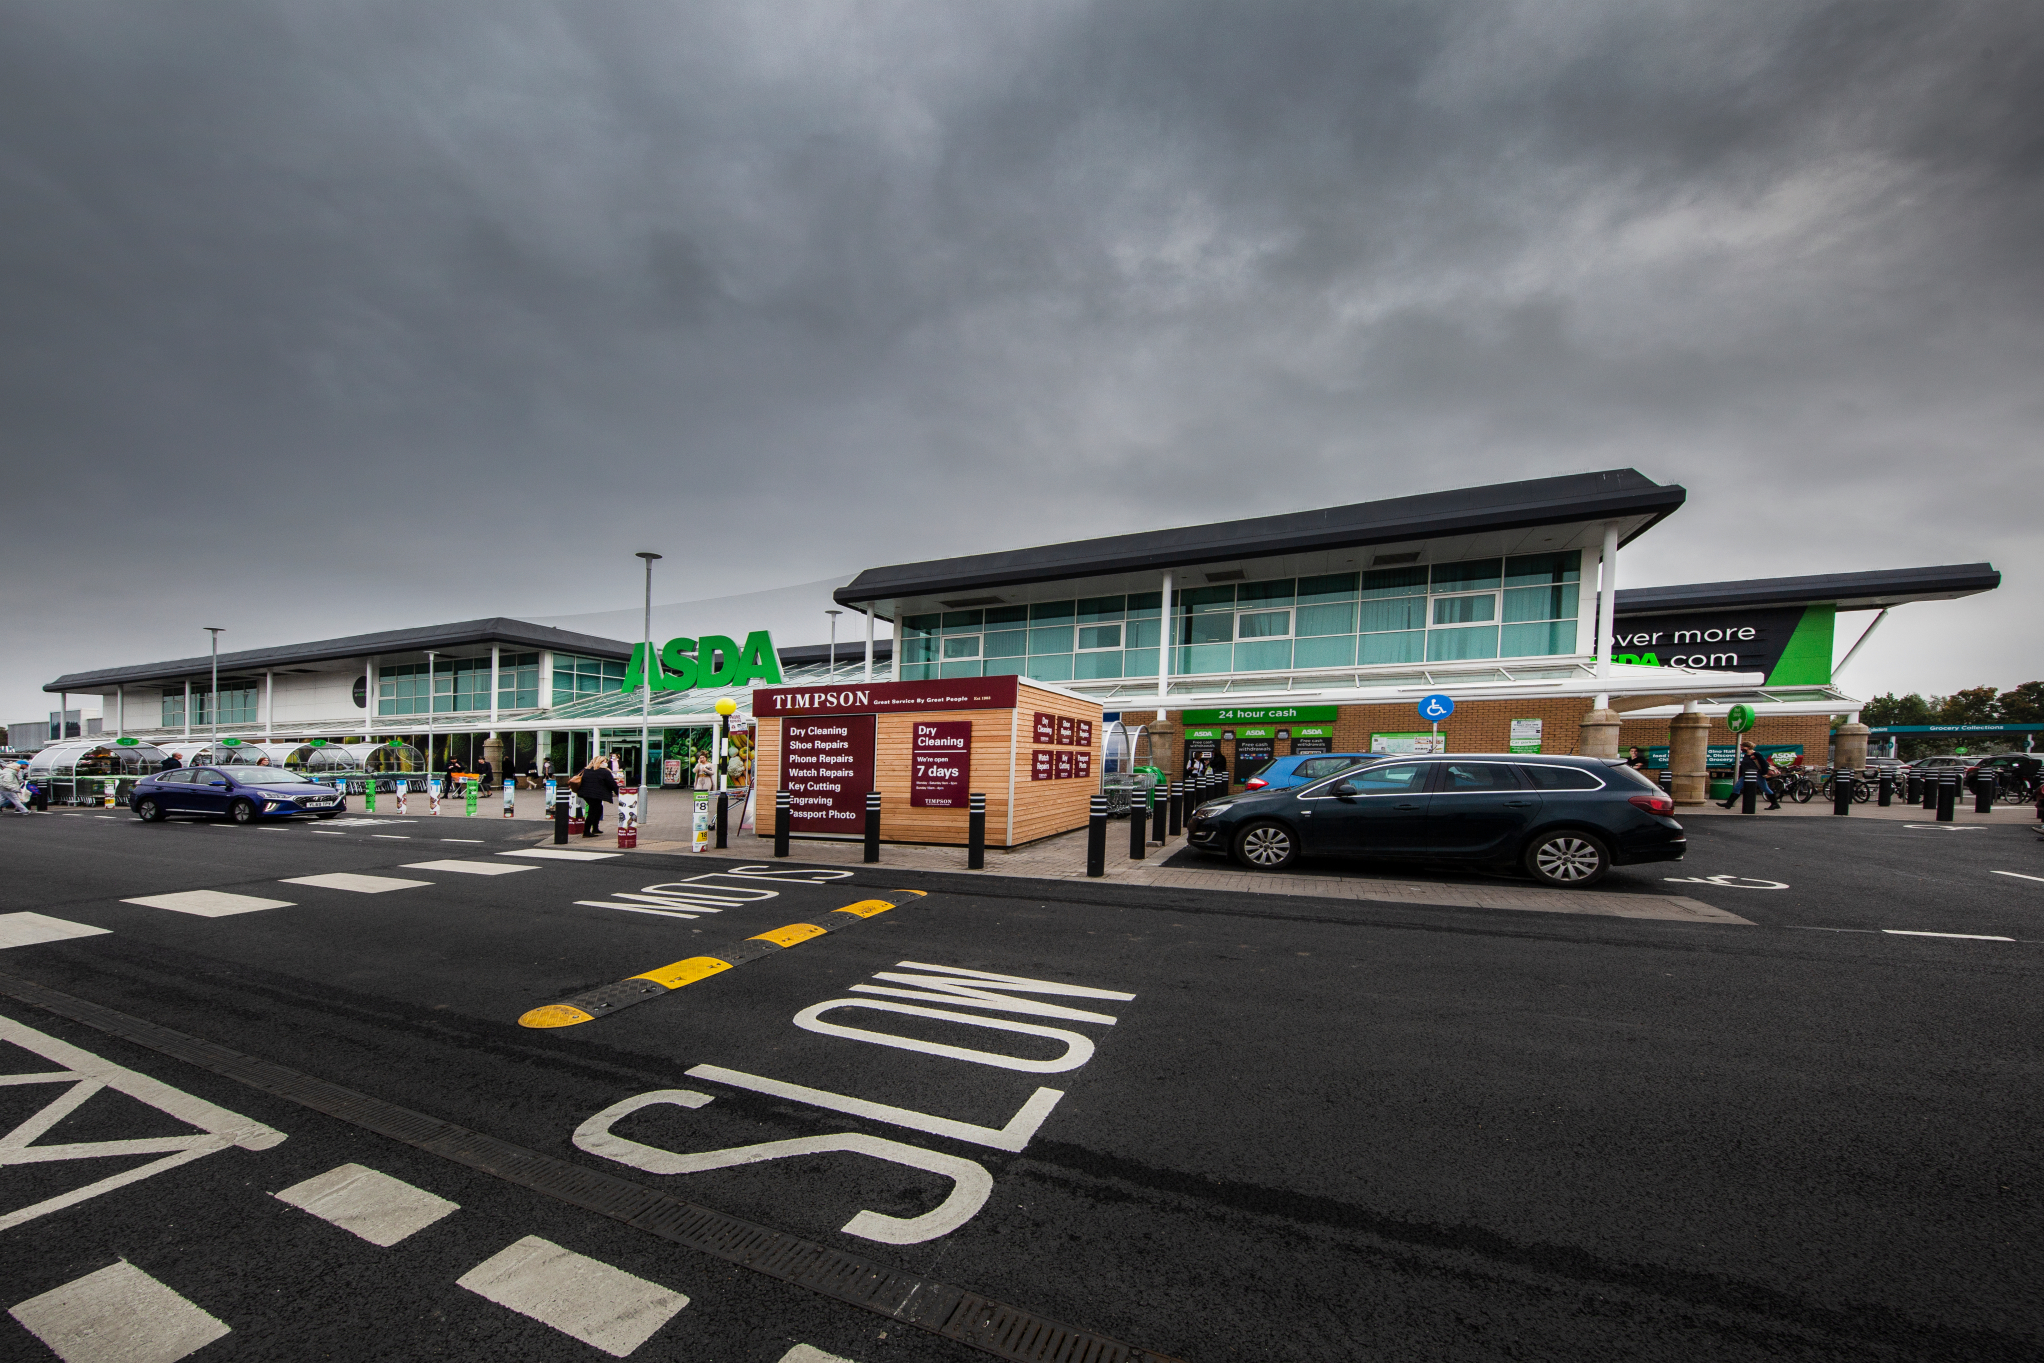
{"points": [[940, 757], [827, 768], [1408, 745]]}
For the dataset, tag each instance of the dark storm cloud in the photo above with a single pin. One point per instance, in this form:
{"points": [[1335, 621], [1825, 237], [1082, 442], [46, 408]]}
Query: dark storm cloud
{"points": [[469, 301]]}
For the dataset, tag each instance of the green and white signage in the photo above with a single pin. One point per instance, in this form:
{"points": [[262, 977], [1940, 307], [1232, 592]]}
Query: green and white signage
{"points": [[685, 664], [1263, 714]]}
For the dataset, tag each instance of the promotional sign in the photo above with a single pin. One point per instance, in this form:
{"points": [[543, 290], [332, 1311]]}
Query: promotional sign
{"points": [[1252, 755], [706, 823], [1408, 745], [868, 698], [1312, 740], [553, 793], [670, 771], [369, 794], [1436, 707], [1271, 714], [402, 787], [1525, 736], [1724, 755], [940, 764], [1042, 764], [432, 795], [713, 660], [1791, 644], [1043, 728], [474, 784], [510, 796], [1739, 718], [827, 768]]}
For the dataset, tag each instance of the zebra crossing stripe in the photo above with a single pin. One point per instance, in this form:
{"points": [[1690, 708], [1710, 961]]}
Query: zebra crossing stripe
{"points": [[606, 999]]}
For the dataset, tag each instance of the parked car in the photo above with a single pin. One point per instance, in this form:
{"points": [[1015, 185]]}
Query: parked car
{"points": [[243, 794], [1566, 821], [1286, 772], [1943, 762]]}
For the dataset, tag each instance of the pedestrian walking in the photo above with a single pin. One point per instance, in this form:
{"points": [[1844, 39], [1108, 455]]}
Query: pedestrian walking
{"points": [[1753, 766], [11, 787], [595, 784], [169, 763]]}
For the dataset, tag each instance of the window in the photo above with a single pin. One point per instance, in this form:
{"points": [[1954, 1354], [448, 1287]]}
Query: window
{"points": [[173, 709], [576, 676], [1477, 776], [1313, 768], [1465, 610], [1405, 779], [518, 681], [1560, 778]]}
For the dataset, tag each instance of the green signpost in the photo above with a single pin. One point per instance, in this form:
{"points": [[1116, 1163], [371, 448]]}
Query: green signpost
{"points": [[1739, 719]]}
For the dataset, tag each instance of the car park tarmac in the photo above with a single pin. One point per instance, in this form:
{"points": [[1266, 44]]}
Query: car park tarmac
{"points": [[1192, 1121]]}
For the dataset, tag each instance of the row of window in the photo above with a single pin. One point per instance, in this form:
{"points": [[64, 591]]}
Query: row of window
{"points": [[1518, 607], [238, 705], [458, 685]]}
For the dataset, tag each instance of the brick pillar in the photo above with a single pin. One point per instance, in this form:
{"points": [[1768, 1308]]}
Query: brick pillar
{"points": [[1688, 754], [1852, 745], [1600, 733]]}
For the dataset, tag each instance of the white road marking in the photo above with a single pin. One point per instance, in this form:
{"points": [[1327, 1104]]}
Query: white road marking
{"points": [[1016, 1135], [381, 1209], [1963, 936], [641, 908], [1947, 827], [469, 868], [29, 929], [208, 903], [369, 823], [330, 833], [118, 1315], [88, 1074], [360, 884], [809, 1353], [1728, 882], [583, 1298], [560, 854], [1078, 1049], [2017, 874], [400, 837], [971, 1184], [474, 840]]}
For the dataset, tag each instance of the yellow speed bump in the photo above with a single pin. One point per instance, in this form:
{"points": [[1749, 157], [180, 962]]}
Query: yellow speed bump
{"points": [[605, 999]]}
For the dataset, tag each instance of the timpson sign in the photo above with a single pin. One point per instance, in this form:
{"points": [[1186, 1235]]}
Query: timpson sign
{"points": [[880, 698]]}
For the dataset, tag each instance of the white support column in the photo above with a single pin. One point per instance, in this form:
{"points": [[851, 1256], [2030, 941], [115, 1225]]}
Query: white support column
{"points": [[1164, 648], [494, 664], [1607, 599], [120, 712], [869, 641], [270, 704], [188, 709], [546, 679], [368, 695]]}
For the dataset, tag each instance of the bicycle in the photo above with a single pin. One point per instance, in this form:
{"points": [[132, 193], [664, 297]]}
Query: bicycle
{"points": [[1798, 784], [1862, 789]]}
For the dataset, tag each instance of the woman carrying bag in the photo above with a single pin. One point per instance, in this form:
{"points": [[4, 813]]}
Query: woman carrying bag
{"points": [[594, 784]]}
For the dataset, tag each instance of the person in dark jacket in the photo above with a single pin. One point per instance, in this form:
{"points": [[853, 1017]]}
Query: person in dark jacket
{"points": [[488, 772], [169, 763], [595, 787], [1753, 765]]}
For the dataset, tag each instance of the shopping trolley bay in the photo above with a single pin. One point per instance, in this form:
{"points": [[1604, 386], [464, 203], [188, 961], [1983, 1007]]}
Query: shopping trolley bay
{"points": [[388, 1086]]}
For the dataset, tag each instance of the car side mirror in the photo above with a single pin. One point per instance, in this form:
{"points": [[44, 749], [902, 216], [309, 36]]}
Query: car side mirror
{"points": [[1342, 788]]}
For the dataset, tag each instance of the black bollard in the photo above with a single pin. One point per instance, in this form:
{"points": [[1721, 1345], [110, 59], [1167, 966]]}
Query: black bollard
{"points": [[1096, 837], [1887, 793], [872, 826], [1930, 790], [1177, 808], [560, 815], [784, 816], [1841, 791], [1984, 788], [1948, 795], [1749, 800], [1159, 796], [723, 820], [976, 835], [1138, 836]]}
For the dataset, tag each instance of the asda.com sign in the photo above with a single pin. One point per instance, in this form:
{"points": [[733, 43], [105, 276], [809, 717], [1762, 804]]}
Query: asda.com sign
{"points": [[685, 664], [1790, 644]]}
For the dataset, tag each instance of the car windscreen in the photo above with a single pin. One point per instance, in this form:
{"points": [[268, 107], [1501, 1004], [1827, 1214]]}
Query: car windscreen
{"points": [[271, 776]]}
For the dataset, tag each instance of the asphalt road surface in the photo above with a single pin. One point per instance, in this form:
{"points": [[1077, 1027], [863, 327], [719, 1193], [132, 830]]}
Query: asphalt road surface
{"points": [[1204, 1125]]}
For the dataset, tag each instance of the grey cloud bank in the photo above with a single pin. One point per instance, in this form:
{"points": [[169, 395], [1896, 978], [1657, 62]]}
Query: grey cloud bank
{"points": [[317, 319]]}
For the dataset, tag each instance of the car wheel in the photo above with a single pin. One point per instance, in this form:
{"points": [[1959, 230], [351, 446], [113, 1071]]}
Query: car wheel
{"points": [[1568, 859], [1266, 846], [149, 810], [242, 811]]}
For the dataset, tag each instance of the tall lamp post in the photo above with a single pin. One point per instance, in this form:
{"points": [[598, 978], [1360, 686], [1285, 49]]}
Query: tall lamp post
{"points": [[726, 707], [833, 614], [646, 683], [213, 700]]}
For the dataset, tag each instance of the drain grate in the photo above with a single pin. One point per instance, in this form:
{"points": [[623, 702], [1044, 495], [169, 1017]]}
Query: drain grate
{"points": [[992, 1326]]}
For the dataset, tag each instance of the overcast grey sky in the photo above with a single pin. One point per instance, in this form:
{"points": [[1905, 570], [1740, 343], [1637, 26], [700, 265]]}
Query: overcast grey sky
{"points": [[323, 317]]}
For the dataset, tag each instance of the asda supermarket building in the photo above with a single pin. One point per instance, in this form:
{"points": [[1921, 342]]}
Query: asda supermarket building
{"points": [[1320, 631]]}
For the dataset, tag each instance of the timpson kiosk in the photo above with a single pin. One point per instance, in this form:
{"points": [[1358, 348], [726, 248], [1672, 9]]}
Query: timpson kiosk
{"points": [[927, 747]]}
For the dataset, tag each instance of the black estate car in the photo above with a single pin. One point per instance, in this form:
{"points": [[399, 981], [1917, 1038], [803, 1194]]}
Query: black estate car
{"points": [[243, 794], [1563, 820]]}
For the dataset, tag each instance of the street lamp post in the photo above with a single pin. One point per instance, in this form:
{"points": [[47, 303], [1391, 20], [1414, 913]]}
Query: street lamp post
{"points": [[213, 701], [833, 614], [646, 685]]}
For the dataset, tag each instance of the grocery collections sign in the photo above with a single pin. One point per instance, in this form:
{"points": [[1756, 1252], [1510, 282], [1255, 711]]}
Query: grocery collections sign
{"points": [[686, 664], [1791, 644], [1263, 714]]}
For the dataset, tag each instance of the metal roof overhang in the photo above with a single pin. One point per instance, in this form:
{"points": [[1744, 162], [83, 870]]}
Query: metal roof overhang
{"points": [[1847, 591], [1645, 685], [497, 630], [1625, 496]]}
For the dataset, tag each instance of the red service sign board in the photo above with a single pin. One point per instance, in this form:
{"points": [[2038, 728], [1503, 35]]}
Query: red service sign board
{"points": [[940, 754], [870, 698], [1046, 728], [827, 768], [1085, 733], [1042, 764], [1064, 766], [1084, 758], [1067, 730]]}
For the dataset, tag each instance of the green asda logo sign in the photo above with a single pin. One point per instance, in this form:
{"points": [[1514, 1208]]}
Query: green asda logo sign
{"points": [[686, 664]]}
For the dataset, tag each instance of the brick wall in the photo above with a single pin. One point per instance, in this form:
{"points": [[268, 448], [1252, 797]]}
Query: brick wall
{"points": [[1812, 731]]}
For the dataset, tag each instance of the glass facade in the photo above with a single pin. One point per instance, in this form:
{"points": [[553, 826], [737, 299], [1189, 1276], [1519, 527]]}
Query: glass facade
{"points": [[1519, 607], [576, 676], [240, 703], [462, 685]]}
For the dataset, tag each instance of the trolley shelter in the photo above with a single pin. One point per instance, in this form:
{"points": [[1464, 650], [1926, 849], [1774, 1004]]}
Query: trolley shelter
{"points": [[1034, 751]]}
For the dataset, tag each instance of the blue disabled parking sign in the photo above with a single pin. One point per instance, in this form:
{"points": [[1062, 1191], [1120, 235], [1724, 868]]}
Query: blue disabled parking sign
{"points": [[1436, 708]]}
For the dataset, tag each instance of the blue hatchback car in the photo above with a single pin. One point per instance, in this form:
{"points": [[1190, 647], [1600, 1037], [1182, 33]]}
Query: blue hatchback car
{"points": [[243, 794], [1286, 772]]}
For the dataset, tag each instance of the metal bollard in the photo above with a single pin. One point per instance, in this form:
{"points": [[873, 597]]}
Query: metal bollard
{"points": [[976, 834], [872, 826], [1887, 792], [784, 815], [723, 820], [1930, 790], [1984, 788], [1948, 795], [1159, 796], [1177, 808], [1841, 791], [1749, 799], [561, 816], [1138, 836], [1096, 837]]}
